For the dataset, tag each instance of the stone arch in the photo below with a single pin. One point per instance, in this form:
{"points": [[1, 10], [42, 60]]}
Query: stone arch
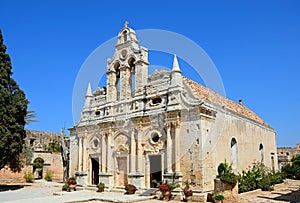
{"points": [[121, 157], [131, 64], [261, 152], [234, 153], [121, 142], [124, 33], [38, 165], [116, 66], [95, 142]]}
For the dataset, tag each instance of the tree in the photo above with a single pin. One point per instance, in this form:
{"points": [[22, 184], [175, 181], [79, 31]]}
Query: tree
{"points": [[13, 109], [30, 117]]}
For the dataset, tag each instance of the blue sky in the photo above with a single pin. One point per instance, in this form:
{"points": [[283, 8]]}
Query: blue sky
{"points": [[255, 46]]}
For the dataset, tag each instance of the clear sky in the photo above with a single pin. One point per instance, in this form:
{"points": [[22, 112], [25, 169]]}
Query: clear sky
{"points": [[255, 46]]}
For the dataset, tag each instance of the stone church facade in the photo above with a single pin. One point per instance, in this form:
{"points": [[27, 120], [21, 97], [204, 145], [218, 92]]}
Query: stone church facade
{"points": [[141, 128]]}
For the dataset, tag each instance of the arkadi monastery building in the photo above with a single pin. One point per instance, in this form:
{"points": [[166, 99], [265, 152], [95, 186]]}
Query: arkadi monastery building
{"points": [[142, 127]]}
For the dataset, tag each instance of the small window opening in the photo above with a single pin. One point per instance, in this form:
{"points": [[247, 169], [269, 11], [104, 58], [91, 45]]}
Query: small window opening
{"points": [[156, 100], [96, 142], [97, 113], [125, 35], [155, 138]]}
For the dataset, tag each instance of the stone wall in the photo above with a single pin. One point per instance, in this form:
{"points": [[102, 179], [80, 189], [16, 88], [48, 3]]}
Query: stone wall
{"points": [[229, 192], [53, 162]]}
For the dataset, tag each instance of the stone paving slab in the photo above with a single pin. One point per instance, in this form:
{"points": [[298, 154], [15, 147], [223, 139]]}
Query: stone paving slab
{"points": [[83, 196], [42, 192], [289, 191]]}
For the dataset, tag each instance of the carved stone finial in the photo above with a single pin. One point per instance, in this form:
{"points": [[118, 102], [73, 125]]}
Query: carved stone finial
{"points": [[126, 24]]}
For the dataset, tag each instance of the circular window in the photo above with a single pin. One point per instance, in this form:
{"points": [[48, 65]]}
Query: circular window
{"points": [[155, 137]]}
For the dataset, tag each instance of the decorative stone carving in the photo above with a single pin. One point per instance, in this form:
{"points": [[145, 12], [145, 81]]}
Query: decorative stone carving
{"points": [[121, 144]]}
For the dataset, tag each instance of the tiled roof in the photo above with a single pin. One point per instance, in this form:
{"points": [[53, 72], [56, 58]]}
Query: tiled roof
{"points": [[204, 93]]}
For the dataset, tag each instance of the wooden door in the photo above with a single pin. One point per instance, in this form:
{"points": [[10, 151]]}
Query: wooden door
{"points": [[122, 166]]}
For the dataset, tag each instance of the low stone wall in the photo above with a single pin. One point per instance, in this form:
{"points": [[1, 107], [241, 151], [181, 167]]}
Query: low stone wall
{"points": [[230, 193], [7, 176], [54, 164]]}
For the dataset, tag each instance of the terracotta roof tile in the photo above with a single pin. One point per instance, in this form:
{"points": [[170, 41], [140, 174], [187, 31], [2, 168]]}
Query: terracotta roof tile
{"points": [[204, 93]]}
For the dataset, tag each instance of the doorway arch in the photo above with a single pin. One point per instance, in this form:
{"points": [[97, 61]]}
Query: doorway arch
{"points": [[38, 165]]}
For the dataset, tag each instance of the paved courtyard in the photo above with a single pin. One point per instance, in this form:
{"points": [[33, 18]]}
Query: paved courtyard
{"points": [[42, 191]]}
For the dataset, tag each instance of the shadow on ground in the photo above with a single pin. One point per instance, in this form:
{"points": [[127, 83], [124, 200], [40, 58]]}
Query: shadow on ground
{"points": [[7, 187], [293, 196]]}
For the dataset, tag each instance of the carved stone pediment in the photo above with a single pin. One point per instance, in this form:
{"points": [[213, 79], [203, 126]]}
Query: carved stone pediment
{"points": [[122, 144]]}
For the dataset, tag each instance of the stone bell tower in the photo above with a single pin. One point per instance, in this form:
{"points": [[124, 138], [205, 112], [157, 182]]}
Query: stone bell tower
{"points": [[127, 70]]}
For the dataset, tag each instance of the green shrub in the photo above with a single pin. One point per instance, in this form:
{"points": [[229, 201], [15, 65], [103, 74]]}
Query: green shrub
{"points": [[226, 175], [224, 168], [49, 175], [38, 163], [229, 178], [259, 177], [65, 187], [29, 177], [219, 197], [293, 171], [53, 146], [265, 183]]}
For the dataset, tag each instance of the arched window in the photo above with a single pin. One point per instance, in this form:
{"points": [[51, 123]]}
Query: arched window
{"points": [[131, 63], [261, 152], [117, 85], [234, 153], [125, 35]]}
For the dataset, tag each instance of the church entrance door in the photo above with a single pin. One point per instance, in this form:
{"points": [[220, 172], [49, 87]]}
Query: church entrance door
{"points": [[95, 170], [155, 169], [122, 166]]}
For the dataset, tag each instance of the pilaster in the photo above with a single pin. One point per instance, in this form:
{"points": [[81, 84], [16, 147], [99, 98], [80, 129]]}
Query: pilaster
{"points": [[103, 154], [177, 147], [169, 149]]}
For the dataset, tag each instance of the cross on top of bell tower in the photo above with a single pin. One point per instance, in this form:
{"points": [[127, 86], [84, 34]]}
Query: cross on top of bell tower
{"points": [[126, 24], [127, 37]]}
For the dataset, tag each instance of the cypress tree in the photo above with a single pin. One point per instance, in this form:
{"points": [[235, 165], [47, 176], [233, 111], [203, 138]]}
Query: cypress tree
{"points": [[13, 109]]}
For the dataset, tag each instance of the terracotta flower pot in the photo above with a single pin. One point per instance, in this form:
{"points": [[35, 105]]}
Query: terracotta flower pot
{"points": [[100, 189], [72, 188], [130, 191], [166, 195], [187, 198]]}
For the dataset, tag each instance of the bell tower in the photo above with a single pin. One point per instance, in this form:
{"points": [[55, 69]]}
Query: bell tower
{"points": [[127, 70]]}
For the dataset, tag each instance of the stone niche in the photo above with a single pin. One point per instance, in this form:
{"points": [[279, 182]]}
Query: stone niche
{"points": [[229, 192]]}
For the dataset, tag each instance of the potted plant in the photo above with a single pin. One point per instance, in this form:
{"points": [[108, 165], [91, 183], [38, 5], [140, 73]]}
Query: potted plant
{"points": [[100, 187], [188, 193], [218, 198], [72, 184], [165, 190], [130, 189]]}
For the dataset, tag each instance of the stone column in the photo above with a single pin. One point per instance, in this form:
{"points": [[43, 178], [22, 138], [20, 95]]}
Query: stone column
{"points": [[177, 149], [140, 160], [80, 153], [169, 149], [132, 152], [103, 154], [81, 176], [139, 152], [84, 151], [106, 174], [109, 154], [125, 83]]}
